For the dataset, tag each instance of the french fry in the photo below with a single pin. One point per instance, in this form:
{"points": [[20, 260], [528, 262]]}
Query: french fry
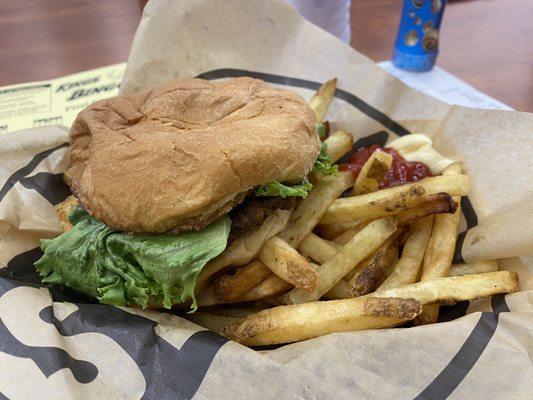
{"points": [[389, 270], [327, 129], [331, 231], [429, 315], [478, 267], [208, 298], [361, 246], [213, 322], [386, 273], [368, 275], [367, 181], [288, 264], [338, 144], [441, 203], [456, 288], [317, 248], [303, 219], [346, 236], [244, 248], [271, 286], [63, 209], [237, 311], [393, 200], [440, 248], [401, 201], [309, 211], [230, 287], [287, 324], [338, 292], [372, 173], [321, 100], [407, 270], [321, 251], [352, 272], [272, 301]]}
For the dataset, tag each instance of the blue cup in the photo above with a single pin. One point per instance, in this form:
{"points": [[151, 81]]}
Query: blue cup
{"points": [[417, 42]]}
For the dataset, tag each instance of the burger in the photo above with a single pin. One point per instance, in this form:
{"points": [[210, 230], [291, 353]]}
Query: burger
{"points": [[166, 181]]}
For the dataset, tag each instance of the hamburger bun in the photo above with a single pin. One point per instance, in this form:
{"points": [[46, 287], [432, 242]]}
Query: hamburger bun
{"points": [[184, 153]]}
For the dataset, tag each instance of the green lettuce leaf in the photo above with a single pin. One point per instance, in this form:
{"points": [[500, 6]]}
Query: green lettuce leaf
{"points": [[125, 269], [283, 190], [323, 162]]}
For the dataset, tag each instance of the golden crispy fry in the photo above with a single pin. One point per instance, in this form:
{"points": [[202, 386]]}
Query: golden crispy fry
{"points": [[302, 221], [352, 272], [393, 200], [338, 144], [367, 181], [441, 203], [441, 246], [237, 311], [361, 246], [321, 251], [287, 324], [208, 298], [372, 173], [407, 270], [478, 267], [63, 209], [368, 275], [401, 201], [456, 288], [271, 286], [338, 292], [331, 231], [272, 301], [318, 249], [307, 213], [230, 287], [322, 99], [389, 270], [346, 236], [244, 248], [288, 264], [429, 315], [213, 322]]}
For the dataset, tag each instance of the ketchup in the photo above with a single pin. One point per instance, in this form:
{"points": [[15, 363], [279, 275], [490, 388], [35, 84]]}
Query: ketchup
{"points": [[400, 173]]}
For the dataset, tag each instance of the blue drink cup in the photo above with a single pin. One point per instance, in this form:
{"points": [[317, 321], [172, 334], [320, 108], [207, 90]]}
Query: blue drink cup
{"points": [[417, 43]]}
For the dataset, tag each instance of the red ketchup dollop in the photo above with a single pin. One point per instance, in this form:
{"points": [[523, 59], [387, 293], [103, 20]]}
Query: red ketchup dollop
{"points": [[400, 173]]}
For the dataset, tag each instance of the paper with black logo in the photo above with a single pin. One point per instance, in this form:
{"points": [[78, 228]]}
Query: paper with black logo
{"points": [[56, 101], [58, 345]]}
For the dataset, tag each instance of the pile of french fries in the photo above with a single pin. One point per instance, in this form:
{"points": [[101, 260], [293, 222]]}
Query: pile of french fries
{"points": [[375, 259]]}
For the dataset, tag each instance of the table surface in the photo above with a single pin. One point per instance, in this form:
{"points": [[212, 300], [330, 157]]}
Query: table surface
{"points": [[487, 43]]}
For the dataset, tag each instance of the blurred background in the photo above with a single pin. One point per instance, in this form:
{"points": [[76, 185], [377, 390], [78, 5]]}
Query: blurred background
{"points": [[486, 43]]}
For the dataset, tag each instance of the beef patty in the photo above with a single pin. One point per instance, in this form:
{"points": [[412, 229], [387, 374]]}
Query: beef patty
{"points": [[253, 212]]}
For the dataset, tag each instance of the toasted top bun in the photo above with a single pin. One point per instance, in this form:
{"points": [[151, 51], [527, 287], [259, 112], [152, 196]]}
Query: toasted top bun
{"points": [[184, 153]]}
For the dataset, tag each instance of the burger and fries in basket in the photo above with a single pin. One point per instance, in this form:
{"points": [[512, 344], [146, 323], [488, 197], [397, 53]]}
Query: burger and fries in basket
{"points": [[222, 201]]}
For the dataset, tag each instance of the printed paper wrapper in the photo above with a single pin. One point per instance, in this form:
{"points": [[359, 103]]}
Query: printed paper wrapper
{"points": [[53, 345]]}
